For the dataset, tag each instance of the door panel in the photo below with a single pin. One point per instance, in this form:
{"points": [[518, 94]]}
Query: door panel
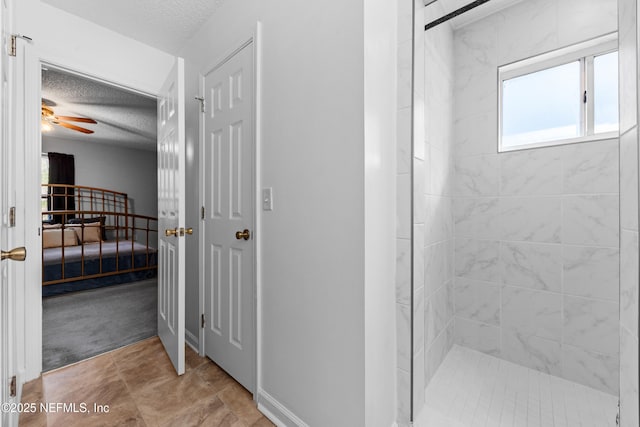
{"points": [[229, 201], [171, 213]]}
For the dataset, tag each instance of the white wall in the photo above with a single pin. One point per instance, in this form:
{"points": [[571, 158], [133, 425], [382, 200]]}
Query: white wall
{"points": [[380, 29], [537, 246], [314, 278], [115, 168], [629, 52], [83, 46]]}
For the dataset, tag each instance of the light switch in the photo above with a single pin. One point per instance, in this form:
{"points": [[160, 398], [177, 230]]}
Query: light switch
{"points": [[267, 199]]}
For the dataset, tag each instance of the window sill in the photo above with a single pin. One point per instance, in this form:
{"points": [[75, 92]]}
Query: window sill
{"points": [[591, 138]]}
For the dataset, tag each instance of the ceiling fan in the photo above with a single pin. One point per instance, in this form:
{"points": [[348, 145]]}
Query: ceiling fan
{"points": [[49, 118]]}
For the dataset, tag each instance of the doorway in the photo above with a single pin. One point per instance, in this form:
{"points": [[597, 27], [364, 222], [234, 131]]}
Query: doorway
{"points": [[104, 294]]}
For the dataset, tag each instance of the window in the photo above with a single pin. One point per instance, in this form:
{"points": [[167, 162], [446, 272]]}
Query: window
{"points": [[569, 95]]}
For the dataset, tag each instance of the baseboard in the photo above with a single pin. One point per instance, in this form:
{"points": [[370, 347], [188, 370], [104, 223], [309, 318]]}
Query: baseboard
{"points": [[191, 340], [276, 412]]}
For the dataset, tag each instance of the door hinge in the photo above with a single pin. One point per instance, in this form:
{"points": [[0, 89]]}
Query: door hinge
{"points": [[12, 43], [12, 216], [202, 212], [202, 322], [12, 387], [202, 103]]}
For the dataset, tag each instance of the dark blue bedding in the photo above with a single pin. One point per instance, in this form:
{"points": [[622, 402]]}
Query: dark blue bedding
{"points": [[52, 270]]}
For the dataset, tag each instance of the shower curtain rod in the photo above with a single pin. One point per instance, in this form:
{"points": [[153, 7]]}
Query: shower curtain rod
{"points": [[455, 13]]}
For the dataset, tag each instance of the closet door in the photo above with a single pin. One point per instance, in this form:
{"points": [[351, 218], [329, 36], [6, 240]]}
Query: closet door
{"points": [[229, 251]]}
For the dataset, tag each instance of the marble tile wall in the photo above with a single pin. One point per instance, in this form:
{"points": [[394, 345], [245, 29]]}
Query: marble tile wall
{"points": [[536, 231], [435, 192], [629, 51]]}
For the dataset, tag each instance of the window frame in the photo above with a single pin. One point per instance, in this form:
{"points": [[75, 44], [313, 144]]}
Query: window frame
{"points": [[43, 180], [583, 52]]}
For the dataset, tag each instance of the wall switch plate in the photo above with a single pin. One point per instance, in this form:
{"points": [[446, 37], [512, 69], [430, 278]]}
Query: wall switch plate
{"points": [[267, 199]]}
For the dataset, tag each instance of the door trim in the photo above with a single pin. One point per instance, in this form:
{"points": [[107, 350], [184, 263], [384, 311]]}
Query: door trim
{"points": [[12, 184], [255, 38]]}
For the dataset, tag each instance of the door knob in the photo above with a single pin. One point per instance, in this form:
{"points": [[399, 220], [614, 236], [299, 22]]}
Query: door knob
{"points": [[17, 254], [169, 232], [244, 234], [184, 231]]}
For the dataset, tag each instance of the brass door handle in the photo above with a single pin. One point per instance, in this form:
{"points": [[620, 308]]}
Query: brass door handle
{"points": [[244, 234], [178, 231], [17, 254]]}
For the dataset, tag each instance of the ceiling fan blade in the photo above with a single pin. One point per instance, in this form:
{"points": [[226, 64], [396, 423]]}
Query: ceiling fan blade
{"points": [[73, 127], [76, 119], [48, 102]]}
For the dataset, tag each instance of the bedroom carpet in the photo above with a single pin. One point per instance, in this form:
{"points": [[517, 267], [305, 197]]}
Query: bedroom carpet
{"points": [[80, 325]]}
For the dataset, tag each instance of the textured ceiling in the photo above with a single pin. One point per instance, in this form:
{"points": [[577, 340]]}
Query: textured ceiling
{"points": [[164, 24], [478, 13], [124, 118]]}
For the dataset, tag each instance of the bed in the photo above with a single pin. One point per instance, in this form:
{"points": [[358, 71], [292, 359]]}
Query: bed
{"points": [[98, 244]]}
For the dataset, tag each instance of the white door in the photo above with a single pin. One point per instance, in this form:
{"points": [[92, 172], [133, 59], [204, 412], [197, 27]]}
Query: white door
{"points": [[8, 236], [171, 214], [228, 150]]}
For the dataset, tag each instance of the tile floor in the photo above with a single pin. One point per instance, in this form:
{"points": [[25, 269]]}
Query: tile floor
{"points": [[140, 387], [473, 389]]}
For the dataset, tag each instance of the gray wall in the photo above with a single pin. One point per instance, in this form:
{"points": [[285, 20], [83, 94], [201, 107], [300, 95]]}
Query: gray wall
{"points": [[537, 246], [315, 277], [114, 168], [629, 53]]}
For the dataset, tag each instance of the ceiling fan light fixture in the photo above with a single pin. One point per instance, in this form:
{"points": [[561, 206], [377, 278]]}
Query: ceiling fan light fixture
{"points": [[48, 119]]}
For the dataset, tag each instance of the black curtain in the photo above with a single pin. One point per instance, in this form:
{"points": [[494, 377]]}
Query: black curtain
{"points": [[61, 171]]}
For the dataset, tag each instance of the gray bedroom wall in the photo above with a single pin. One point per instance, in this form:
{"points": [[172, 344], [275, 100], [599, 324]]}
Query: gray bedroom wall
{"points": [[115, 168]]}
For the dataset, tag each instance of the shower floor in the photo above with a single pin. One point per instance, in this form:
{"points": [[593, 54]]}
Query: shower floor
{"points": [[473, 389]]}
